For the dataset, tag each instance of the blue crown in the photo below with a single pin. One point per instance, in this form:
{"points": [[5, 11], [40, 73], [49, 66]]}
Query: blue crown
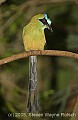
{"points": [[45, 15]]}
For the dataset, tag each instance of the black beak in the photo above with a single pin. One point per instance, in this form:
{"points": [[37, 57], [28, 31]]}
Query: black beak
{"points": [[49, 27], [44, 21]]}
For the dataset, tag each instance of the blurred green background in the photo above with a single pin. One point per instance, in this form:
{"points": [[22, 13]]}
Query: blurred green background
{"points": [[56, 75]]}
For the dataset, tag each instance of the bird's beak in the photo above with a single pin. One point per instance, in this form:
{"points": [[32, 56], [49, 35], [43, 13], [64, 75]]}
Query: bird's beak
{"points": [[44, 21], [49, 27]]}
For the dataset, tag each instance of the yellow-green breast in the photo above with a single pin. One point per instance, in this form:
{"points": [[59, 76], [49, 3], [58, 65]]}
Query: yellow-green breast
{"points": [[33, 35]]}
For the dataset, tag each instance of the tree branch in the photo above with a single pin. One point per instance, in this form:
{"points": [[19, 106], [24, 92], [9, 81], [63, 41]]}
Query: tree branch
{"points": [[44, 52]]}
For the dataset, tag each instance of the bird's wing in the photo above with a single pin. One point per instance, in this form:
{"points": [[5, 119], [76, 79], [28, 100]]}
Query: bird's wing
{"points": [[23, 33]]}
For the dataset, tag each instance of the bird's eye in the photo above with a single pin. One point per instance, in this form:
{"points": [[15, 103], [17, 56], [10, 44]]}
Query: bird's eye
{"points": [[44, 21]]}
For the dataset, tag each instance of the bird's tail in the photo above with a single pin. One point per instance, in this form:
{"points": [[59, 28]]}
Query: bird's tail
{"points": [[33, 71], [32, 84]]}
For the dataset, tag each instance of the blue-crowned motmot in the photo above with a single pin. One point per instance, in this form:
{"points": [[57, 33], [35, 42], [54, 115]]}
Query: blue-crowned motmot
{"points": [[34, 39]]}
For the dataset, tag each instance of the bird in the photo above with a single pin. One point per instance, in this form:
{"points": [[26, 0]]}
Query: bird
{"points": [[34, 39], [33, 32]]}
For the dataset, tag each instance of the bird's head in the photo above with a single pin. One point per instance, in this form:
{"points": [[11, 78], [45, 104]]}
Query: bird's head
{"points": [[43, 20]]}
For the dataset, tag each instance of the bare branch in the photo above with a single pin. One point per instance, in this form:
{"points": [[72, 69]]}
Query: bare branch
{"points": [[44, 52]]}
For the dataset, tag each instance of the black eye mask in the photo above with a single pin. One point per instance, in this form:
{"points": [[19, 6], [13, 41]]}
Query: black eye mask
{"points": [[44, 21]]}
